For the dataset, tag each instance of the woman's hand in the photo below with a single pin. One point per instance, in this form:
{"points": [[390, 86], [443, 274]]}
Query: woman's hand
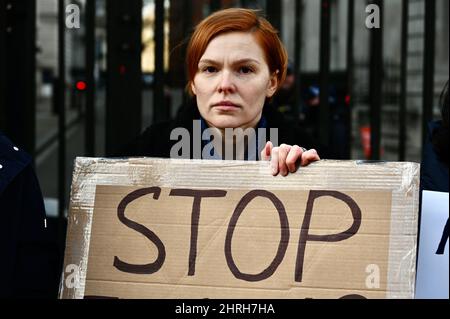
{"points": [[286, 158]]}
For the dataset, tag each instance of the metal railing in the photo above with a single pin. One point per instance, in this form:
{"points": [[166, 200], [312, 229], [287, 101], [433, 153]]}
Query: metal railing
{"points": [[124, 77]]}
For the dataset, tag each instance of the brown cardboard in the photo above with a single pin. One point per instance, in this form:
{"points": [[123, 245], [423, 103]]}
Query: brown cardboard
{"points": [[259, 258]]}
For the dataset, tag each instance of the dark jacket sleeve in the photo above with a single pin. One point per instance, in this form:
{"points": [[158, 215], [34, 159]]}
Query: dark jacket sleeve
{"points": [[29, 262], [30, 267], [433, 173], [155, 140]]}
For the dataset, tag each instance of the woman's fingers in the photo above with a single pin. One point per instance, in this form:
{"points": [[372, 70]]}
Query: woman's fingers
{"points": [[274, 161], [283, 154], [293, 157], [309, 157], [286, 158], [267, 151]]}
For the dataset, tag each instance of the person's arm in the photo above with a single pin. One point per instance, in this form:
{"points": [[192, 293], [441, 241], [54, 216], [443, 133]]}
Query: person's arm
{"points": [[32, 268]]}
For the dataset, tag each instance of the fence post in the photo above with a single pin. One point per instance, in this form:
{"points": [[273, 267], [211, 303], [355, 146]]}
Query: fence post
{"points": [[428, 67], [324, 108], [403, 82], [90, 79], [376, 79], [124, 82]]}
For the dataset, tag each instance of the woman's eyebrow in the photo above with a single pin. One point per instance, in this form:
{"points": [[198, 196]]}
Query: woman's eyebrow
{"points": [[239, 61], [246, 61], [208, 61]]}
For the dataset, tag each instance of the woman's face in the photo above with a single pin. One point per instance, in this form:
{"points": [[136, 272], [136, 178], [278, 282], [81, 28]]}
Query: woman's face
{"points": [[233, 81]]}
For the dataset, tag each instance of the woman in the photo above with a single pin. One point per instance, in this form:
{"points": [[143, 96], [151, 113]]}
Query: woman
{"points": [[236, 63]]}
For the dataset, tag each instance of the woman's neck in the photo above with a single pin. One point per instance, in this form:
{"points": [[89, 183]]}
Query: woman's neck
{"points": [[233, 140]]}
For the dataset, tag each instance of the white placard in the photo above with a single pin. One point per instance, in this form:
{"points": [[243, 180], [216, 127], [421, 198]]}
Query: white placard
{"points": [[432, 268]]}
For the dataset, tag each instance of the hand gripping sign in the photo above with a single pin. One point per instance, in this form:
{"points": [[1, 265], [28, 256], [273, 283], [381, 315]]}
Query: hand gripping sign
{"points": [[154, 228]]}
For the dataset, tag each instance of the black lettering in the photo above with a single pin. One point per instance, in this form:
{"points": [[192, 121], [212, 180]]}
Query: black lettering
{"points": [[353, 296], [304, 233], [281, 247], [195, 218], [148, 268], [444, 239]]}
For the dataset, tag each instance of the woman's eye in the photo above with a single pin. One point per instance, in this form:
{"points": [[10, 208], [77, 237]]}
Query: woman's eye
{"points": [[245, 70], [209, 69]]}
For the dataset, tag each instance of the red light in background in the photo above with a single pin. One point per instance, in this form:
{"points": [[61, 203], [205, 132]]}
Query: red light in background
{"points": [[347, 99], [81, 85], [122, 69]]}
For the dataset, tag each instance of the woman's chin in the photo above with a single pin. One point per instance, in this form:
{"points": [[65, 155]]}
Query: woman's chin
{"points": [[224, 123]]}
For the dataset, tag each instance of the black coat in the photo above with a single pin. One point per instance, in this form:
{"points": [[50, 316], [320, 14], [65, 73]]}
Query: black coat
{"points": [[155, 140], [434, 171], [27, 264]]}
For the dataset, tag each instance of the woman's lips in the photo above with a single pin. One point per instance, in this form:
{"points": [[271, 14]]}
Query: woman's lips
{"points": [[226, 106]]}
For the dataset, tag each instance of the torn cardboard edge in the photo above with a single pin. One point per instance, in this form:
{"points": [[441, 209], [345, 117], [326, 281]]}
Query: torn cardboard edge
{"points": [[402, 179]]}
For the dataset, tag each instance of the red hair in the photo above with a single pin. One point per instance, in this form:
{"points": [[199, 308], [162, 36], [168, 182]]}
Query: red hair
{"points": [[237, 20]]}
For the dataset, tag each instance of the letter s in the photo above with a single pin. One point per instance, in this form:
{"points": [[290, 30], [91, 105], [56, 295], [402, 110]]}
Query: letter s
{"points": [[148, 268]]}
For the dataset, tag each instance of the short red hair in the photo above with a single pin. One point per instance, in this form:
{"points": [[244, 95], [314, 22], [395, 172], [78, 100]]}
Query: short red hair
{"points": [[237, 20]]}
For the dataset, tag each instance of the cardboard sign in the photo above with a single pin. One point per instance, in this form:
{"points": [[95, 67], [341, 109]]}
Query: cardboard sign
{"points": [[154, 228], [432, 267]]}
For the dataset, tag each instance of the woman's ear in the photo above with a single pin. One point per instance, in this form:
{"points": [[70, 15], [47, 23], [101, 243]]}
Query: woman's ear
{"points": [[273, 84], [193, 88]]}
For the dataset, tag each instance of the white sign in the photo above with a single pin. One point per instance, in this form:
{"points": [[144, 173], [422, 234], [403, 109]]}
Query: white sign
{"points": [[432, 268]]}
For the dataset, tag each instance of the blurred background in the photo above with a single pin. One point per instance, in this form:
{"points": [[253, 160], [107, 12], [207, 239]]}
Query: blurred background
{"points": [[81, 77]]}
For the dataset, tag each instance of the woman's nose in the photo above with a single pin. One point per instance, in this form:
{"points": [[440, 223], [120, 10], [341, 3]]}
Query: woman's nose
{"points": [[226, 84]]}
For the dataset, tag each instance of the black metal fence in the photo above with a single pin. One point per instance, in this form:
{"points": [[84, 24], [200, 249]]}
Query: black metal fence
{"points": [[386, 82]]}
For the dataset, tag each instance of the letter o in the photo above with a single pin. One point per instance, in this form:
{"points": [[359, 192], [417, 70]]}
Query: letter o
{"points": [[282, 247]]}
